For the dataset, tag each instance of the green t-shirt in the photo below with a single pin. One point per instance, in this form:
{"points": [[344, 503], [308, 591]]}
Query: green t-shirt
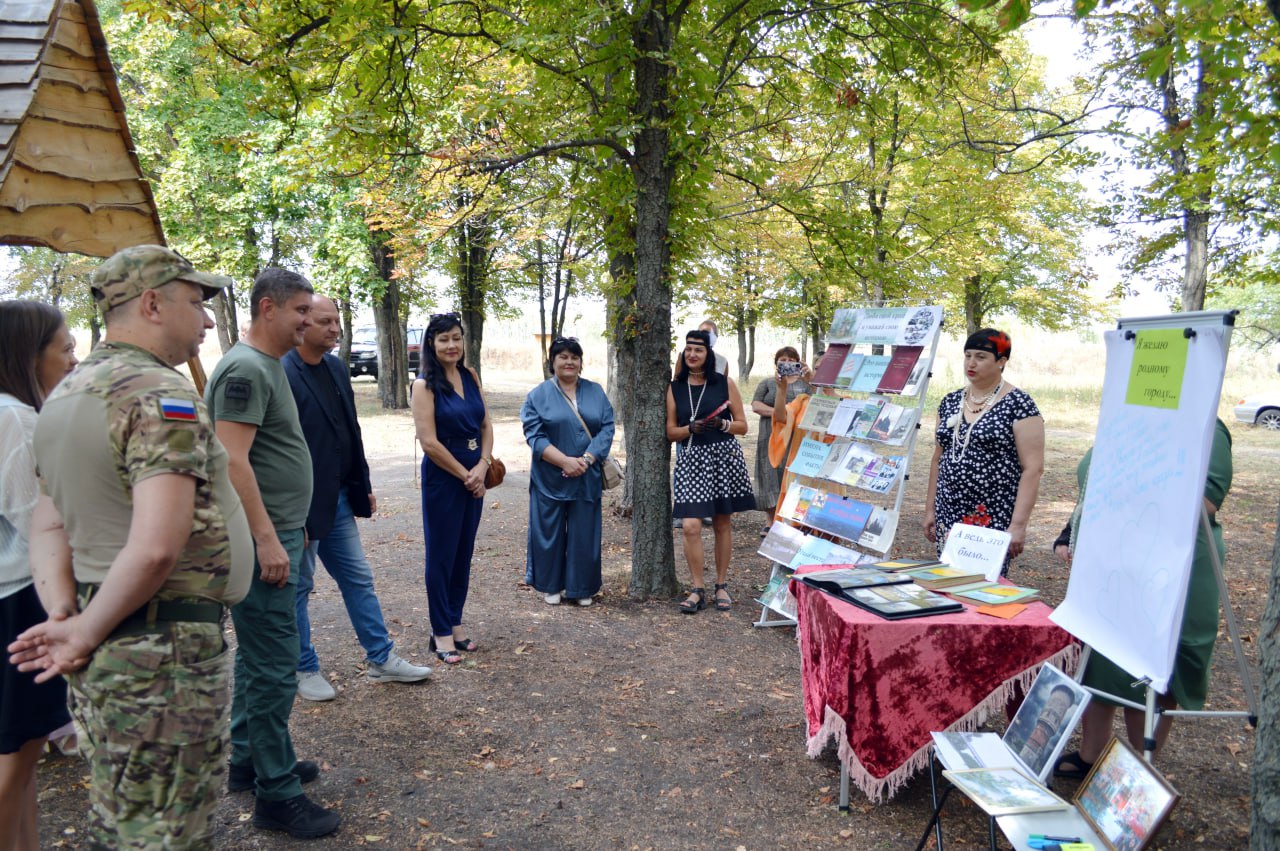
{"points": [[248, 386]]}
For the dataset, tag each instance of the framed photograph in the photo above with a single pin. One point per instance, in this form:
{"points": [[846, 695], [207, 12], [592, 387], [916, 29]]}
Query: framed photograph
{"points": [[1005, 791], [1041, 727], [1124, 798]]}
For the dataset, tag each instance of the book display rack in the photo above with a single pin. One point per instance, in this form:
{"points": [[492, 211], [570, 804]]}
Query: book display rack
{"points": [[849, 456]]}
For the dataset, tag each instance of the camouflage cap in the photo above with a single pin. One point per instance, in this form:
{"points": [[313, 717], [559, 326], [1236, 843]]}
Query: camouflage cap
{"points": [[131, 271]]}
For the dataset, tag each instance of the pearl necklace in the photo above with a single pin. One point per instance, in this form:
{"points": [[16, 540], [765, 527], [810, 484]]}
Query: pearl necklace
{"points": [[983, 405], [693, 408]]}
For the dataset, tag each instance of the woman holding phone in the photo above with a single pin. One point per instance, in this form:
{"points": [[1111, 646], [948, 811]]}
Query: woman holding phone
{"points": [[791, 379]]}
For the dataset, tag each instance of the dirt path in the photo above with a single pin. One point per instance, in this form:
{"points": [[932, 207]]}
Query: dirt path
{"points": [[627, 725]]}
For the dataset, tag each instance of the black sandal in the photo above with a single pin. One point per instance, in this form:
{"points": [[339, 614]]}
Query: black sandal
{"points": [[689, 607], [725, 603], [465, 644], [449, 657], [1072, 766]]}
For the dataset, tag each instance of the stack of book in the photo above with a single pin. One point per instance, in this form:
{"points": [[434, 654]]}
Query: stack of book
{"points": [[944, 576], [992, 593]]}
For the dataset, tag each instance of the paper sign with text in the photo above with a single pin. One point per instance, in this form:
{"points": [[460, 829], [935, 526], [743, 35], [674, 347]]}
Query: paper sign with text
{"points": [[1159, 361], [977, 549]]}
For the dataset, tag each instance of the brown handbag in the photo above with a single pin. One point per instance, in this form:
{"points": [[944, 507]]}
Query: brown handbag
{"points": [[495, 474]]}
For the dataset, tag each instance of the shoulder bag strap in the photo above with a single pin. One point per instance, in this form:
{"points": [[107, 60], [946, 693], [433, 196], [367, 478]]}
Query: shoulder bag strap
{"points": [[574, 408]]}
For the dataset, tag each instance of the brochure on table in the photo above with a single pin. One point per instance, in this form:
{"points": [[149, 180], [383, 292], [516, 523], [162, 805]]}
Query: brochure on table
{"points": [[843, 487]]}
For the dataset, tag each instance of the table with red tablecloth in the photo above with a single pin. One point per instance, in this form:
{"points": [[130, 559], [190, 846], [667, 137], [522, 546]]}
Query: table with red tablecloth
{"points": [[880, 687]]}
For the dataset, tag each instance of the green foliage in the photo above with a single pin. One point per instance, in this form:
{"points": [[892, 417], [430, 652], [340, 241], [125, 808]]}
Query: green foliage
{"points": [[41, 274]]}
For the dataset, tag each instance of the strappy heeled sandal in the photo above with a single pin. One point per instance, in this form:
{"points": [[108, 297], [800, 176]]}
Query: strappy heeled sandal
{"points": [[449, 657], [725, 603], [689, 607]]}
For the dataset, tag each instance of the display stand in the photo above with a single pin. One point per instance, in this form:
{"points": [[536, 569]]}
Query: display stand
{"points": [[1217, 324], [855, 333]]}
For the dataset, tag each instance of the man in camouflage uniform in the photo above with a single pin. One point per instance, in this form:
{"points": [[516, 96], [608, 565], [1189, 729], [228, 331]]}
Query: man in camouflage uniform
{"points": [[140, 528]]}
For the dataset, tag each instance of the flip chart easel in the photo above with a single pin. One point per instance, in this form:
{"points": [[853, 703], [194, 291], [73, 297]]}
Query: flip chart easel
{"points": [[1158, 413]]}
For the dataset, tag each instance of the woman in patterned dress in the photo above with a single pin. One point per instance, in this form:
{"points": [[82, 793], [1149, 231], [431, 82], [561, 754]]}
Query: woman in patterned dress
{"points": [[704, 412], [791, 385], [989, 452]]}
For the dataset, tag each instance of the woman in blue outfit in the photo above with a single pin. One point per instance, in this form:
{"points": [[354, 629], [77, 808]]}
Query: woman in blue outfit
{"points": [[568, 423], [452, 425]]}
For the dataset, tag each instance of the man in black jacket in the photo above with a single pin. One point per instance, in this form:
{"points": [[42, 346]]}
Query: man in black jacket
{"points": [[341, 492]]}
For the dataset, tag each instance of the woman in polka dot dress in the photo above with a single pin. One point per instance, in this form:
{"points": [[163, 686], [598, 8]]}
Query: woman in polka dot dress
{"points": [[989, 452], [704, 413]]}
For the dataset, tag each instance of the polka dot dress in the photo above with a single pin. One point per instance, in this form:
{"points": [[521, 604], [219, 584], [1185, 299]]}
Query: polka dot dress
{"points": [[980, 487], [711, 479]]}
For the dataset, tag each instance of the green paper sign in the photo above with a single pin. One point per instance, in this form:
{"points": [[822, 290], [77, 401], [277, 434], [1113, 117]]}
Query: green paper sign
{"points": [[1159, 360]]}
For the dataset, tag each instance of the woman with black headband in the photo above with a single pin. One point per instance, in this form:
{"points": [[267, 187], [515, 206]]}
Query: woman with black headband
{"points": [[989, 452], [705, 414]]}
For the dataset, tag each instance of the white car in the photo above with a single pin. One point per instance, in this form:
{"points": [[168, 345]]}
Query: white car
{"points": [[1261, 409]]}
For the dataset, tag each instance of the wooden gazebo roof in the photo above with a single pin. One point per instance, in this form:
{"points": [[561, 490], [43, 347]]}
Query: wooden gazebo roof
{"points": [[69, 177]]}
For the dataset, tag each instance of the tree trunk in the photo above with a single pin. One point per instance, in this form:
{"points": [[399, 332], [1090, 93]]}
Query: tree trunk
{"points": [[1195, 274], [1264, 833], [746, 349], [474, 247], [344, 311], [652, 554], [393, 359], [1195, 215], [975, 313], [618, 306], [224, 317]]}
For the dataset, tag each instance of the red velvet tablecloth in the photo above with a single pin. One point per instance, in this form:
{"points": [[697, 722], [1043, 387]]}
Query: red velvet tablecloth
{"points": [[880, 687]]}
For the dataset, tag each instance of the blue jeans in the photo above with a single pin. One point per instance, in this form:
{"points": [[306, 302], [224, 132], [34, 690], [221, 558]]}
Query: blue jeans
{"points": [[343, 556]]}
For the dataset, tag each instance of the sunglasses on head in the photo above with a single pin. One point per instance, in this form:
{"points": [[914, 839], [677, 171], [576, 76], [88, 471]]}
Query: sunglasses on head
{"points": [[558, 340]]}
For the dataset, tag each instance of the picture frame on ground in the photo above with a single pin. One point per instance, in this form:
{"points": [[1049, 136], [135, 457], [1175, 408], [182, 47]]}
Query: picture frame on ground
{"points": [[1005, 791], [1124, 798], [1039, 730]]}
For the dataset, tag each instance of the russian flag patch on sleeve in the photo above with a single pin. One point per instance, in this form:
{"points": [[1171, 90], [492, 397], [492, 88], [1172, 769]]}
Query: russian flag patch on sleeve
{"points": [[178, 409]]}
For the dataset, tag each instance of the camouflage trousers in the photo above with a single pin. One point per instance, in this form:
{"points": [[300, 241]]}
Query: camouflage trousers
{"points": [[152, 718]]}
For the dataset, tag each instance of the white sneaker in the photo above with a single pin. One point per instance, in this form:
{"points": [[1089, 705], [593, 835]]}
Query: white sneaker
{"points": [[551, 599], [397, 670], [313, 686], [585, 601]]}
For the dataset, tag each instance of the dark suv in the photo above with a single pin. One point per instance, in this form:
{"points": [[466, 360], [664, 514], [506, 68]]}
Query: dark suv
{"points": [[413, 345], [364, 353]]}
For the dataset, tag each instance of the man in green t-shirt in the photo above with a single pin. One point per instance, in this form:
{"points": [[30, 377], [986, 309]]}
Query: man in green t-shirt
{"points": [[256, 418]]}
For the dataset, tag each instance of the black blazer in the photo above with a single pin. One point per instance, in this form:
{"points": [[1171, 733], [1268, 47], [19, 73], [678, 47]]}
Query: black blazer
{"points": [[320, 426]]}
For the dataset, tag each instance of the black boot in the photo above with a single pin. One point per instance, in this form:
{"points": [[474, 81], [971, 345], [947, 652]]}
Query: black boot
{"points": [[299, 816]]}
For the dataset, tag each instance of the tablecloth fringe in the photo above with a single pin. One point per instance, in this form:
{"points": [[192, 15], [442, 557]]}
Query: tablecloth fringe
{"points": [[880, 789]]}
